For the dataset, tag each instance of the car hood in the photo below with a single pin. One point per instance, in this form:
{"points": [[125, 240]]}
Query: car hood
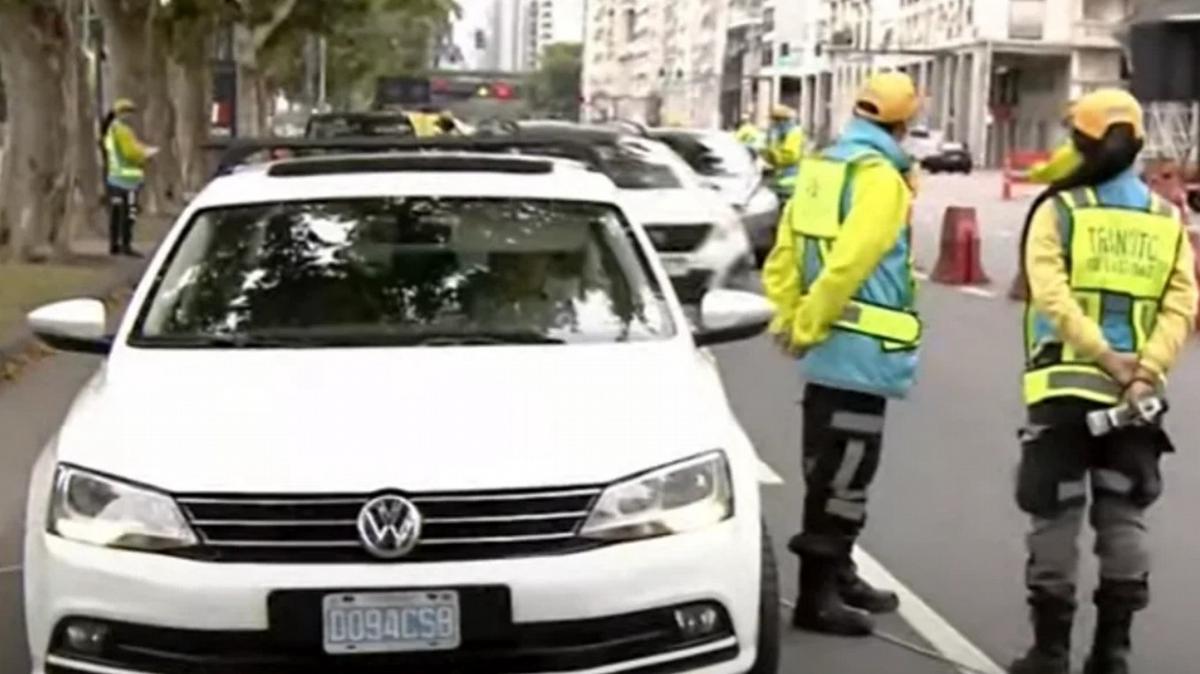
{"points": [[681, 206], [419, 419]]}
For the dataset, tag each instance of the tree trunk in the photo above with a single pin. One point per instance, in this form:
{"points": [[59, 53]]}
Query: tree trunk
{"points": [[192, 95], [125, 43], [82, 172], [31, 41], [249, 112], [163, 173]]}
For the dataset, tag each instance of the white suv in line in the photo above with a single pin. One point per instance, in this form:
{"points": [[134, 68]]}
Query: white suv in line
{"points": [[401, 412], [697, 233]]}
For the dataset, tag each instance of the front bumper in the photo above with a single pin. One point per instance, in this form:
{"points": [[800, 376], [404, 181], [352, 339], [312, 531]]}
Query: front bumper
{"points": [[604, 610]]}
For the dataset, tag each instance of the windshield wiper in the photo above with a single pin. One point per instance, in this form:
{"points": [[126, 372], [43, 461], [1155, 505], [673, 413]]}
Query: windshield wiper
{"points": [[229, 341], [487, 338]]}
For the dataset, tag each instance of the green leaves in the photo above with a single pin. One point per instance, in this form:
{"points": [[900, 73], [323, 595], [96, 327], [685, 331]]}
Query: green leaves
{"points": [[555, 87]]}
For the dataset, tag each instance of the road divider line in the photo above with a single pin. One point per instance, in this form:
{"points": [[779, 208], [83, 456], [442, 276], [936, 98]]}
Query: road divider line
{"points": [[978, 292], [927, 622], [767, 474]]}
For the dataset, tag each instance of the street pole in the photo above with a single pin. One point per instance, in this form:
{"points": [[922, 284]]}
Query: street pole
{"points": [[322, 71]]}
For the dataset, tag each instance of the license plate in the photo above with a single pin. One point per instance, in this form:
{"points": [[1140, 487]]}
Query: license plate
{"points": [[675, 266], [391, 622]]}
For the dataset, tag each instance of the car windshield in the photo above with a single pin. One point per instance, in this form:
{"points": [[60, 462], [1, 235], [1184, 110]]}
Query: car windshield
{"points": [[638, 165], [404, 271], [713, 155], [359, 126]]}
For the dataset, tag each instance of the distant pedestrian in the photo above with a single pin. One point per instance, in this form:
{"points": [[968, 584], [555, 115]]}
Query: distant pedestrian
{"points": [[783, 150], [841, 280], [124, 162]]}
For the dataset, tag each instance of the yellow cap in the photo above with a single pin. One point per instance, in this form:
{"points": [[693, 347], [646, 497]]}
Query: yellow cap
{"points": [[1094, 113], [124, 105], [887, 97], [782, 112]]}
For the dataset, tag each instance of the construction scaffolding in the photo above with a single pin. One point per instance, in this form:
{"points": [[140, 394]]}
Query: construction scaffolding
{"points": [[1173, 132]]}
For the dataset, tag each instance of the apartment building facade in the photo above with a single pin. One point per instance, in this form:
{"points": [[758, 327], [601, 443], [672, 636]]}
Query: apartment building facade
{"points": [[550, 22], [995, 74], [654, 61]]}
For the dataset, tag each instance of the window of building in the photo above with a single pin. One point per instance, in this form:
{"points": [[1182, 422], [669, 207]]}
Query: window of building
{"points": [[768, 22], [630, 24], [768, 53], [785, 50]]}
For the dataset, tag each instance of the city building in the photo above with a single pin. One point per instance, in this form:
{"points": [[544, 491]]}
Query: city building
{"points": [[655, 61], [553, 21], [996, 74]]}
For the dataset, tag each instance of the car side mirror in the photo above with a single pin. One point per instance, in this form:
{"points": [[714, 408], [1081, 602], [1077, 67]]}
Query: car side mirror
{"points": [[77, 325], [731, 315]]}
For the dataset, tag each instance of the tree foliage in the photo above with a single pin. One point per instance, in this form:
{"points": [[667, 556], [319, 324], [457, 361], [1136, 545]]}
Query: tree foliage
{"points": [[554, 88]]}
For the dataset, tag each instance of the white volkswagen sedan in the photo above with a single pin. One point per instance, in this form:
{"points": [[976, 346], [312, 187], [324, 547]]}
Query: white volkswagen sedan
{"points": [[384, 413]]}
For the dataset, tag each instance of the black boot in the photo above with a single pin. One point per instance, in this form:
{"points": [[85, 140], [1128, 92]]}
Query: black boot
{"points": [[1110, 651], [860, 594], [1116, 602], [820, 608], [1051, 652]]}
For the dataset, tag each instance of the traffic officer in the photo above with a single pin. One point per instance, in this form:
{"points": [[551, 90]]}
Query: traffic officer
{"points": [[1112, 301], [784, 147], [840, 278], [125, 160], [748, 134]]}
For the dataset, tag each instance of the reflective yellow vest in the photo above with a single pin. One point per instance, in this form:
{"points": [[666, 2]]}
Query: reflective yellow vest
{"points": [[1119, 263], [121, 170], [818, 207]]}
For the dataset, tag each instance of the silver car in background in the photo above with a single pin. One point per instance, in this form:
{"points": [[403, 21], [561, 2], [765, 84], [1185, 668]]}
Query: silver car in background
{"points": [[733, 170]]}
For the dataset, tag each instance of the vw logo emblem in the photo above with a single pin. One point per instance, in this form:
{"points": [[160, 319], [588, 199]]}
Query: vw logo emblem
{"points": [[389, 526]]}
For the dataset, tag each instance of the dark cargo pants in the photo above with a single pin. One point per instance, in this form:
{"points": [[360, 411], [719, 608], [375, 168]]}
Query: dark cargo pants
{"points": [[1062, 464]]}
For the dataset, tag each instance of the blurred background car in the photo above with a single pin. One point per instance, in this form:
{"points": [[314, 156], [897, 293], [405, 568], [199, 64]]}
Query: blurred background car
{"points": [[736, 173], [951, 157], [699, 236]]}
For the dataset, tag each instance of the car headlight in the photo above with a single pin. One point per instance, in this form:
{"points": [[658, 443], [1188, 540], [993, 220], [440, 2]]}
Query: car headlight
{"points": [[683, 496], [762, 201], [104, 511]]}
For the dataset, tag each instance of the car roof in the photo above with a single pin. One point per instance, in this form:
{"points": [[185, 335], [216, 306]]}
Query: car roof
{"points": [[586, 132], [448, 174]]}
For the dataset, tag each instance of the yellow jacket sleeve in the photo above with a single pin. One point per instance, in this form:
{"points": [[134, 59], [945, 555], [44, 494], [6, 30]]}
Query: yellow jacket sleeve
{"points": [[128, 145], [1176, 316], [1050, 288], [878, 211], [781, 275]]}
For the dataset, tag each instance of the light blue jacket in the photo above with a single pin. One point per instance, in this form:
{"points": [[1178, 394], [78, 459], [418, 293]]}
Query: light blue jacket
{"points": [[857, 362]]}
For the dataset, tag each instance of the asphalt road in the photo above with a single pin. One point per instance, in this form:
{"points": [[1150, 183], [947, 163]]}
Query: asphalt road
{"points": [[943, 521]]}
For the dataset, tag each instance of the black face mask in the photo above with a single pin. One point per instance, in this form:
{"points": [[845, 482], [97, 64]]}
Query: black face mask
{"points": [[1103, 160]]}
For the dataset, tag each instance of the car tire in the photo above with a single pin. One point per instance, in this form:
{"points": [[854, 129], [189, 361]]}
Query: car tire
{"points": [[769, 626]]}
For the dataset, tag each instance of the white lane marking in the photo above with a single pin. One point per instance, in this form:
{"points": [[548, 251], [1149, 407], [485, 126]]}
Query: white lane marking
{"points": [[767, 474], [978, 292], [926, 621], [15, 568]]}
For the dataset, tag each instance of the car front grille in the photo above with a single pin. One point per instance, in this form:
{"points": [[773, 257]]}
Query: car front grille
{"points": [[323, 528], [293, 646], [677, 238]]}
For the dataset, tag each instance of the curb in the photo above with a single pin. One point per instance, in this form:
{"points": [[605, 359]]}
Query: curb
{"points": [[18, 346]]}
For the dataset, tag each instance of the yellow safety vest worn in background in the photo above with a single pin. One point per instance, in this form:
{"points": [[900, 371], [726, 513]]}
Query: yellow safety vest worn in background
{"points": [[1119, 262], [125, 156]]}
